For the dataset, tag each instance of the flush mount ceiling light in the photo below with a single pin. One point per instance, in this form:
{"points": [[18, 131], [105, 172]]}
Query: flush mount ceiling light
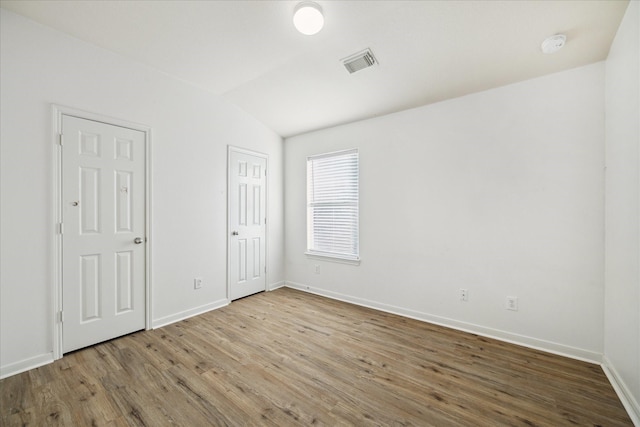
{"points": [[553, 44], [307, 18]]}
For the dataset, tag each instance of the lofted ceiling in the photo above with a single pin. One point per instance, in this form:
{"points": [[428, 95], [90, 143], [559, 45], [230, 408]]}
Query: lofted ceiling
{"points": [[249, 53]]}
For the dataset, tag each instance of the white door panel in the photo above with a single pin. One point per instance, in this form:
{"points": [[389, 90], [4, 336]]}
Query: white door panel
{"points": [[103, 210], [247, 223]]}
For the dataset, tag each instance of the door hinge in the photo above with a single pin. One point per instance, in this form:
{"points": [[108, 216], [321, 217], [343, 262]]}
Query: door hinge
{"points": [[61, 139], [61, 316], [61, 228]]}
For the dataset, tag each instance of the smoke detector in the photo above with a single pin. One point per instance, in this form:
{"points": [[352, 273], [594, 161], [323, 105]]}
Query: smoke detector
{"points": [[359, 61], [553, 44]]}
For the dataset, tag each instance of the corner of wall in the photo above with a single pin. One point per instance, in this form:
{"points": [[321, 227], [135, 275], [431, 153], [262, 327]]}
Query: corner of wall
{"points": [[626, 397]]}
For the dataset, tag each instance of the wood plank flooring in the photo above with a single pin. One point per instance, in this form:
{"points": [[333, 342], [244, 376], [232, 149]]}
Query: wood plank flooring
{"points": [[287, 358]]}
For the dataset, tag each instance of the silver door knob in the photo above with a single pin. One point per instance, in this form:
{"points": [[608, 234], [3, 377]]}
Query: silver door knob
{"points": [[234, 233], [138, 240]]}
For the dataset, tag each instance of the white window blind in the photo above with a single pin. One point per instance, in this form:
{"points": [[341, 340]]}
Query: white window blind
{"points": [[332, 205]]}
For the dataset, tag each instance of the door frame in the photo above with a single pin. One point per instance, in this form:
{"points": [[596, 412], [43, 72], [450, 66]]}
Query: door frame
{"points": [[56, 284], [232, 149]]}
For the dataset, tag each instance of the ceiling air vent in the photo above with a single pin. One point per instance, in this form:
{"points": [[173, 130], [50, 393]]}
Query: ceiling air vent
{"points": [[360, 60]]}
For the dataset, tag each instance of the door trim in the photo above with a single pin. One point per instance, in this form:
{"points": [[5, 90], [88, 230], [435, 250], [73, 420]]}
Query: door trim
{"points": [[56, 284], [234, 149]]}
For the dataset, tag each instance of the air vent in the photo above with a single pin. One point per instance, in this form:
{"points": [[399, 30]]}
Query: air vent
{"points": [[360, 60]]}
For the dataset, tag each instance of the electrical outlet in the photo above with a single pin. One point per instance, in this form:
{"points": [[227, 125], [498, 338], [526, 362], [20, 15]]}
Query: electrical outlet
{"points": [[317, 269], [512, 303], [197, 283], [464, 294]]}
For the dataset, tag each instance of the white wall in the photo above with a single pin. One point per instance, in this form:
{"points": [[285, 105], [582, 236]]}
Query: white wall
{"points": [[622, 213], [190, 133], [500, 192]]}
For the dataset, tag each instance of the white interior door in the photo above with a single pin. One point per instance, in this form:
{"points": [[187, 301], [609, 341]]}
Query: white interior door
{"points": [[103, 233], [247, 223]]}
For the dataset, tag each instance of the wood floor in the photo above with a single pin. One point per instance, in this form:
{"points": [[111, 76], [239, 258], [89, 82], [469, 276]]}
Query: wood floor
{"points": [[288, 358]]}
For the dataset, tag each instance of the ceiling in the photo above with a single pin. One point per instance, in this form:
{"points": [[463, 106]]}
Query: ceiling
{"points": [[249, 53]]}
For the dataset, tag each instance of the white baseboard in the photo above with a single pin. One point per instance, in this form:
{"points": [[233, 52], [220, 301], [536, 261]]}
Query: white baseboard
{"points": [[25, 365], [167, 320], [274, 286], [628, 401], [523, 340]]}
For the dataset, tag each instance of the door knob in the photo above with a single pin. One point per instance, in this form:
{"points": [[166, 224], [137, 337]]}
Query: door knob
{"points": [[138, 240], [234, 233]]}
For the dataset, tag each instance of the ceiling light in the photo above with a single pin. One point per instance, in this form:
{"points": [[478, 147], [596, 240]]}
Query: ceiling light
{"points": [[307, 18], [553, 44]]}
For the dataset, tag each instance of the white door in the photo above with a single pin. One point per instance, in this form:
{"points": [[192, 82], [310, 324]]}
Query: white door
{"points": [[247, 223], [103, 233]]}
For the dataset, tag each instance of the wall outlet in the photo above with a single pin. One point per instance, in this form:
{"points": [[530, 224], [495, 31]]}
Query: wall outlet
{"points": [[512, 303], [464, 294], [317, 269], [197, 283]]}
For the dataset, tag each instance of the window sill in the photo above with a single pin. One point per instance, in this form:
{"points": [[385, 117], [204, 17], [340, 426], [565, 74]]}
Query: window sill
{"points": [[333, 258]]}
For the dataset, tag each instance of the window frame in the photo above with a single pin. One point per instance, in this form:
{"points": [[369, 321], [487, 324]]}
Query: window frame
{"points": [[315, 252]]}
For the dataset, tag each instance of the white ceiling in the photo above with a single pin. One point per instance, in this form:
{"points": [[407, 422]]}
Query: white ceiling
{"points": [[249, 53]]}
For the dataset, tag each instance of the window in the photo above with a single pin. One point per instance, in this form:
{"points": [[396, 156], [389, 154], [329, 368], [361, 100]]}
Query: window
{"points": [[332, 205]]}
